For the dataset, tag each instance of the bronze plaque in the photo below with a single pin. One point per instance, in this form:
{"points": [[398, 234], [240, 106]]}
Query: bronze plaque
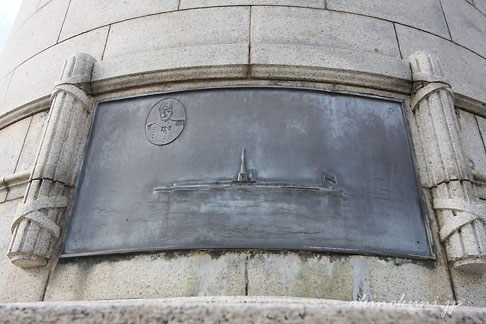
{"points": [[249, 168]]}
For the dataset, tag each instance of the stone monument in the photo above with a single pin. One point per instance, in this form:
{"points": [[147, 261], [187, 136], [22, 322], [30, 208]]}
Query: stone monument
{"points": [[179, 148]]}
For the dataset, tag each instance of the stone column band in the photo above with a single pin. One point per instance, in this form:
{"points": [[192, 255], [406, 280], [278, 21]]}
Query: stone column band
{"points": [[460, 214], [36, 229]]}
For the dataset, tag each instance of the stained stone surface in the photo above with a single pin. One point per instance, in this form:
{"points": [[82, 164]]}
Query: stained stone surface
{"points": [[256, 273], [300, 275], [149, 276], [346, 278]]}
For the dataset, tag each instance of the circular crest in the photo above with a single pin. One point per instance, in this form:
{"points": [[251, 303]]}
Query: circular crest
{"points": [[165, 121]]}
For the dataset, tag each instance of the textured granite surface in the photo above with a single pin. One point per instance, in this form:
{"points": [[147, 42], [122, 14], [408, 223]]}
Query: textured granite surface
{"points": [[236, 310]]}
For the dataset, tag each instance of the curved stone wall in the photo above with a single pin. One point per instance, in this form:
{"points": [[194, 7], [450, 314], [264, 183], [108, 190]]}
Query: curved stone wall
{"points": [[254, 39], [152, 45]]}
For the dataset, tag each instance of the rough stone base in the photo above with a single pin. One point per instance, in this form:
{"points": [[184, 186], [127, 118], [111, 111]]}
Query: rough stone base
{"points": [[236, 310]]}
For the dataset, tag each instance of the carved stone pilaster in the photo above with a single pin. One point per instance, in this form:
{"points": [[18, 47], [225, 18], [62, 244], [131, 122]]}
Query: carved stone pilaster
{"points": [[37, 226], [460, 214]]}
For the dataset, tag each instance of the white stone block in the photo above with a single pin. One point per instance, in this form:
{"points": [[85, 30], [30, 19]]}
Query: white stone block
{"points": [[465, 70], [326, 64], [13, 186], [410, 280], [173, 64], [84, 15], [29, 39], [481, 5], [473, 143], [43, 3], [179, 29], [481, 189], [426, 15], [469, 287], [4, 83], [482, 127], [16, 284], [327, 29], [17, 191], [35, 78], [316, 56], [26, 10], [32, 141], [11, 141], [185, 4], [467, 25]]}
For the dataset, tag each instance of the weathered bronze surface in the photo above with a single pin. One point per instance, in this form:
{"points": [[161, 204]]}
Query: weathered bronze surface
{"points": [[265, 168]]}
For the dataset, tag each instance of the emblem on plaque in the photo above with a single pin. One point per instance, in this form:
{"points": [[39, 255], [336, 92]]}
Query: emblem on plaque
{"points": [[165, 121]]}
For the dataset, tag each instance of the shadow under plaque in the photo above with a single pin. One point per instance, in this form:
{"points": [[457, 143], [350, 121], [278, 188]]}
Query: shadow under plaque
{"points": [[262, 168]]}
